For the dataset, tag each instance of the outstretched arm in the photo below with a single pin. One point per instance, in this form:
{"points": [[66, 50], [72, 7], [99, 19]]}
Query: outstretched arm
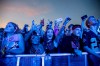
{"points": [[86, 48], [33, 28], [56, 41], [82, 24]]}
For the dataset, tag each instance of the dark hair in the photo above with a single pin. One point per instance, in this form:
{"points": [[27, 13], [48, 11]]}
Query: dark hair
{"points": [[71, 25], [45, 35], [1, 32], [1, 29], [88, 23], [33, 34], [76, 26], [15, 27], [17, 30]]}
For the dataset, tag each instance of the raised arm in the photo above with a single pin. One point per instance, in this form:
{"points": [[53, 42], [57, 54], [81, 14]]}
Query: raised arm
{"points": [[82, 24], [56, 41], [33, 28]]}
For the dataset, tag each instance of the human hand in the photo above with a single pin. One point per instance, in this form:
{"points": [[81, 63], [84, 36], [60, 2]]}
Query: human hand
{"points": [[33, 22], [66, 21], [42, 22], [84, 17], [78, 52]]}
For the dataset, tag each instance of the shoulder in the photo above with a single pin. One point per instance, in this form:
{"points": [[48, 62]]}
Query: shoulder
{"points": [[19, 35]]}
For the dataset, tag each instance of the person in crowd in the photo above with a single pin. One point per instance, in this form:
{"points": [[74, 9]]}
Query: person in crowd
{"points": [[42, 32], [49, 25], [98, 30], [48, 41], [66, 32], [70, 29], [56, 25], [51, 42], [36, 48], [34, 28], [1, 38], [90, 40], [13, 42], [73, 43], [24, 31], [28, 36]]}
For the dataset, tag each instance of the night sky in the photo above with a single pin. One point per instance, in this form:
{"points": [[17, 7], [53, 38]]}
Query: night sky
{"points": [[24, 11]]}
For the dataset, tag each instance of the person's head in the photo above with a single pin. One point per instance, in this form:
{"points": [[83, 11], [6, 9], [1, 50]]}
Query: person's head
{"points": [[11, 27], [50, 34], [91, 21], [70, 26], [26, 27], [76, 30], [49, 25], [35, 39]]}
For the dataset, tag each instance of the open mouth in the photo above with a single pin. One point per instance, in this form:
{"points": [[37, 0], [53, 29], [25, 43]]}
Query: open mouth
{"points": [[49, 36]]}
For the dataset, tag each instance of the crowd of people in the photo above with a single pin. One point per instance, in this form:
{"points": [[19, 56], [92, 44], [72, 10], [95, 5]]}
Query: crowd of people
{"points": [[76, 39]]}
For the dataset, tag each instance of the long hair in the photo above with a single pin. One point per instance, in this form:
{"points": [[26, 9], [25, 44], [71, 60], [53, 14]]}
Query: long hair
{"points": [[45, 36], [17, 30]]}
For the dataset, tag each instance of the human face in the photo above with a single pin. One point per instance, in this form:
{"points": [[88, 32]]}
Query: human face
{"points": [[94, 23], [49, 34], [93, 20], [77, 32], [9, 28], [35, 40], [26, 29]]}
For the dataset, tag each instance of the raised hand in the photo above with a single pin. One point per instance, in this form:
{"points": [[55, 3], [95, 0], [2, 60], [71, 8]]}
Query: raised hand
{"points": [[42, 22], [66, 21], [56, 42], [33, 27], [84, 17], [33, 22]]}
